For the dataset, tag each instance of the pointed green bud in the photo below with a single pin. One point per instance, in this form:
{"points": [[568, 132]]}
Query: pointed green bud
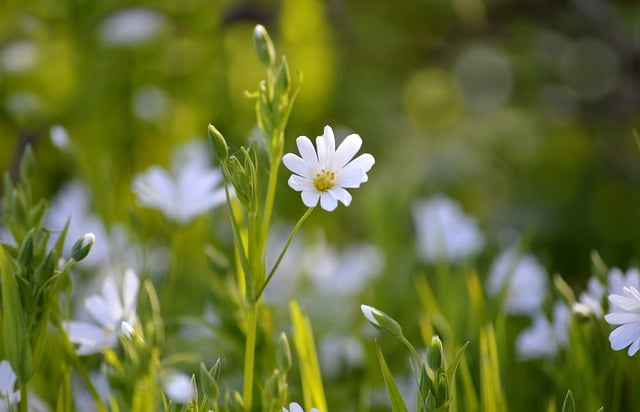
{"points": [[26, 251], [435, 354], [27, 164], [283, 77], [83, 246], [218, 144], [381, 321], [208, 385], [264, 46], [442, 389], [569, 404], [283, 353]]}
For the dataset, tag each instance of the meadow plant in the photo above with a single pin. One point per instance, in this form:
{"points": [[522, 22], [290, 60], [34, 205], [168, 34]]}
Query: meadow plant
{"points": [[488, 333]]}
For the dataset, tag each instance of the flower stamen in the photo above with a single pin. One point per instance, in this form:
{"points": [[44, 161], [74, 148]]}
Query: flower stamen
{"points": [[324, 180]]}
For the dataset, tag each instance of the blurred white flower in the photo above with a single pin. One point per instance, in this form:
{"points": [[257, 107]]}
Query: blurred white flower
{"points": [[338, 351], [543, 339], [188, 190], [19, 56], [72, 203], [131, 27], [590, 300], [626, 313], [295, 407], [59, 136], [9, 397], [618, 280], [443, 231], [109, 310], [179, 387], [324, 175], [82, 398], [523, 279], [150, 103], [344, 272]]}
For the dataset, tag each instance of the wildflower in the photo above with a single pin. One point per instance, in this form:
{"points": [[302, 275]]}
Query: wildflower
{"points": [[109, 310], [543, 338], [131, 27], [179, 387], [590, 301], [338, 351], [522, 277], [295, 407], [626, 313], [188, 190], [618, 280], [444, 231], [8, 378], [324, 175]]}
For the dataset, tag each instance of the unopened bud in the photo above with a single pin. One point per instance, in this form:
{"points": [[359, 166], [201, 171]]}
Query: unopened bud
{"points": [[381, 321], [435, 354], [82, 246], [218, 144], [283, 353], [264, 46]]}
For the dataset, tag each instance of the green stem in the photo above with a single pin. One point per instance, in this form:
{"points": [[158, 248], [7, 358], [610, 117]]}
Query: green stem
{"points": [[269, 199], [284, 250], [412, 350], [249, 355], [23, 406]]}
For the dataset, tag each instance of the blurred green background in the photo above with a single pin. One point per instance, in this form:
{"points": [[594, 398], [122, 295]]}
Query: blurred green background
{"points": [[524, 111]]}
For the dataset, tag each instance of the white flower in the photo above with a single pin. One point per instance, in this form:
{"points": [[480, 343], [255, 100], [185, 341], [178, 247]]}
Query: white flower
{"points": [[341, 273], [109, 310], [626, 313], [188, 190], [543, 339], [522, 277], [324, 175], [444, 231], [179, 387], [337, 351], [131, 27], [590, 301], [72, 204], [618, 280], [295, 407], [8, 378]]}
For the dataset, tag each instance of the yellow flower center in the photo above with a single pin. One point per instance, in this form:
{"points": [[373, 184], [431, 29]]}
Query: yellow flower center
{"points": [[324, 180]]}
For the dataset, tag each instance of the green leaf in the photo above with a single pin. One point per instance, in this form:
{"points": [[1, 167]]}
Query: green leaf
{"points": [[16, 342], [397, 403], [569, 404]]}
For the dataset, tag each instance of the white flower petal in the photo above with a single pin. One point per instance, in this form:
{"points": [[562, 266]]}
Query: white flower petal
{"points": [[295, 164], [130, 288], [351, 178], [305, 147], [634, 347], [7, 378], [101, 311], [326, 145], [619, 318], [347, 149], [328, 202], [625, 303], [340, 194], [624, 335], [300, 184], [310, 197], [364, 161]]}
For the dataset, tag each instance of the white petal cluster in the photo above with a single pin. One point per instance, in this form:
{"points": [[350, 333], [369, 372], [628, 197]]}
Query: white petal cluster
{"points": [[109, 310], [443, 231], [188, 190], [8, 395], [625, 311], [521, 278], [295, 407], [543, 338], [324, 173]]}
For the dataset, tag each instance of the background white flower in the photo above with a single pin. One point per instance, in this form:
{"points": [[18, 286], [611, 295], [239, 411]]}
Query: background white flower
{"points": [[444, 231], [324, 175], [8, 395], [523, 279], [626, 313], [179, 387], [109, 310], [295, 407], [543, 339], [188, 190]]}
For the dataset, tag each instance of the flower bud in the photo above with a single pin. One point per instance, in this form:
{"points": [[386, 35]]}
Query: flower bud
{"points": [[283, 353], [283, 77], [264, 46], [435, 354], [81, 248], [218, 144], [381, 321], [26, 251]]}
